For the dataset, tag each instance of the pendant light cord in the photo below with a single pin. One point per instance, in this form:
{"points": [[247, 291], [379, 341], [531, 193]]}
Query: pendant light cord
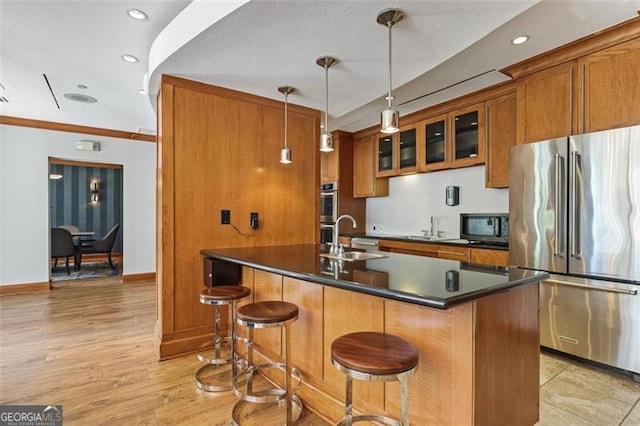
{"points": [[390, 25], [326, 93], [286, 120]]}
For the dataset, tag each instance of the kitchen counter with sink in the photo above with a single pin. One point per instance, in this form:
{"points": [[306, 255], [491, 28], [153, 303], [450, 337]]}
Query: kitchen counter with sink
{"points": [[429, 240], [439, 283], [476, 329]]}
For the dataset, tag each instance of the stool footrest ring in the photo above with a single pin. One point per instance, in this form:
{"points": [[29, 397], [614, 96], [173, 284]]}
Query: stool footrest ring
{"points": [[264, 396], [296, 407], [210, 345], [372, 418], [207, 374]]}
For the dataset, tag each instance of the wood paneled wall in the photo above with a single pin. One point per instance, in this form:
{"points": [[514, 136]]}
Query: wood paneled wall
{"points": [[220, 149]]}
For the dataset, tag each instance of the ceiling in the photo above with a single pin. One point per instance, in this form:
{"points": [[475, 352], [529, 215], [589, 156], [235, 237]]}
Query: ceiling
{"points": [[450, 47]]}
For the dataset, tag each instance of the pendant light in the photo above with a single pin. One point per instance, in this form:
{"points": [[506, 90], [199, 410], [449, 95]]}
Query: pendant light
{"points": [[326, 141], [389, 118], [285, 153]]}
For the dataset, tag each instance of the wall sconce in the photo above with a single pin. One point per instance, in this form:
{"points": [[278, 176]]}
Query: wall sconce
{"points": [[94, 192]]}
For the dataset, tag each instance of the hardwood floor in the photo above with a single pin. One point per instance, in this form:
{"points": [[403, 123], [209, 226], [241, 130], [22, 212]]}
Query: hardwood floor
{"points": [[87, 345]]}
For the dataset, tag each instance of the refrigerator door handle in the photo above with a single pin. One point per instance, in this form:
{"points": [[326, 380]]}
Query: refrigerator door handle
{"points": [[631, 292], [574, 204], [559, 163]]}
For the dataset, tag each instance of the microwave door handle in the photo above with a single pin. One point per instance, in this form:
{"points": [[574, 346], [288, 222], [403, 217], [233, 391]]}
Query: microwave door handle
{"points": [[559, 166]]}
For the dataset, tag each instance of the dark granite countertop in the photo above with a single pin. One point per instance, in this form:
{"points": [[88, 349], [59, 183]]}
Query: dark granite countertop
{"points": [[438, 283], [417, 239]]}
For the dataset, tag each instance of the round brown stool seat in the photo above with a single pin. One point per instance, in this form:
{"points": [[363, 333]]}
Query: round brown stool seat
{"points": [[259, 314], [223, 293], [268, 314], [210, 377], [375, 356]]}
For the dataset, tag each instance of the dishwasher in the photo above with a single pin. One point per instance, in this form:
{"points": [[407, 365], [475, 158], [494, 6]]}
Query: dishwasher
{"points": [[366, 243]]}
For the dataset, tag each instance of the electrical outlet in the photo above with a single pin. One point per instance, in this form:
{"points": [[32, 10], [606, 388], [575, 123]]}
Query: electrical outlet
{"points": [[377, 228], [225, 217], [253, 220]]}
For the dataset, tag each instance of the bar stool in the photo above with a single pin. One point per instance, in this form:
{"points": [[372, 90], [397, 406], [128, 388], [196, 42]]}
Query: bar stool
{"points": [[375, 356], [268, 314], [219, 296]]}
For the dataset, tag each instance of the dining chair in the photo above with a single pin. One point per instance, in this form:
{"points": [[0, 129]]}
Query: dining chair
{"points": [[102, 245], [73, 229], [62, 246]]}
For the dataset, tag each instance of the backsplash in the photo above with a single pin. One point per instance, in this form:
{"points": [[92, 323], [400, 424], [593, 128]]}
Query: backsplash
{"points": [[413, 199]]}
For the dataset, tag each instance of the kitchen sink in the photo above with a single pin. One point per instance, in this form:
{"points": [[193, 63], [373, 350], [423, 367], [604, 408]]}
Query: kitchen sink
{"points": [[423, 238], [352, 256]]}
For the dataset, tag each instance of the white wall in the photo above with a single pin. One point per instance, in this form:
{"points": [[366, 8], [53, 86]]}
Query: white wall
{"points": [[413, 199], [24, 198]]}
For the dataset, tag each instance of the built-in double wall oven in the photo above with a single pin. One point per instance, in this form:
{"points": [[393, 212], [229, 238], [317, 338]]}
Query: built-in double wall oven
{"points": [[328, 210]]}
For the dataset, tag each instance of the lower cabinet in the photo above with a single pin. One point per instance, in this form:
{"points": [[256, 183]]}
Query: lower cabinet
{"points": [[469, 354], [489, 257], [448, 251]]}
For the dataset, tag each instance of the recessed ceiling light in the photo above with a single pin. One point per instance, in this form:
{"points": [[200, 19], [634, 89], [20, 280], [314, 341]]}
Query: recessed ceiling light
{"points": [[142, 92], [81, 86], [129, 58], [137, 14], [78, 97], [520, 39]]}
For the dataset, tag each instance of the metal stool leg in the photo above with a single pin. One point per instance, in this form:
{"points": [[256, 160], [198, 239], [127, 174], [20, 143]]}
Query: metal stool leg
{"points": [[404, 399], [287, 377], [348, 402], [216, 336]]}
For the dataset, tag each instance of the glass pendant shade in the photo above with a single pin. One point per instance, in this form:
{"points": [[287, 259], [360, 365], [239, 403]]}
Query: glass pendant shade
{"points": [[285, 156], [389, 119], [326, 142]]}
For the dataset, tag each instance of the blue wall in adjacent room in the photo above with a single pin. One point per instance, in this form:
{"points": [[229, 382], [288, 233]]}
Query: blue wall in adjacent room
{"points": [[70, 199]]}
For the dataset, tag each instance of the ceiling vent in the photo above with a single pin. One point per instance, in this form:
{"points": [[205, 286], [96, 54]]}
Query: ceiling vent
{"points": [[447, 87], [78, 97], [2, 98]]}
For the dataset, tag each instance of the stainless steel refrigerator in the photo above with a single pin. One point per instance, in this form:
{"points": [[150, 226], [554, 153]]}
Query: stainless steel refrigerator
{"points": [[574, 211]]}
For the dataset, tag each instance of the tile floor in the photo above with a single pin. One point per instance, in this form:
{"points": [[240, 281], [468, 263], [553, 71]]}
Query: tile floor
{"points": [[574, 393]]}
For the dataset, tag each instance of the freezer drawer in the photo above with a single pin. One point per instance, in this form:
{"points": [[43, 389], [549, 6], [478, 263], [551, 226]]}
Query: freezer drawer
{"points": [[596, 320]]}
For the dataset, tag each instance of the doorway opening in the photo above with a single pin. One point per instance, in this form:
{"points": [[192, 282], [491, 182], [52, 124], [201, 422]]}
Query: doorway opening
{"points": [[86, 201]]}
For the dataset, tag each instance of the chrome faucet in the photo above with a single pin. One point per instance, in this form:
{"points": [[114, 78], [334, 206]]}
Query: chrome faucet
{"points": [[335, 249], [432, 231]]}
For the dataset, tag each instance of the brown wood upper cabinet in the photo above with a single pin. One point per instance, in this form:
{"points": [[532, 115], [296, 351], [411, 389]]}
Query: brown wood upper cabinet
{"points": [[365, 184], [329, 165], [501, 136], [546, 103], [398, 153], [455, 139], [610, 87], [596, 92]]}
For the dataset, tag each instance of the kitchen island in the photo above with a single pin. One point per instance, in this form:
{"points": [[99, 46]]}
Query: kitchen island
{"points": [[476, 328]]}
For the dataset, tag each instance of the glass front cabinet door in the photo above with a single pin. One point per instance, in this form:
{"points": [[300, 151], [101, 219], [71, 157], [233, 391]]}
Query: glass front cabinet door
{"points": [[386, 159], [455, 139], [407, 152], [468, 136], [435, 143]]}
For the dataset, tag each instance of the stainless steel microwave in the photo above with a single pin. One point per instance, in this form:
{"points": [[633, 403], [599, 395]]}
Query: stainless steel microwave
{"points": [[490, 228]]}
